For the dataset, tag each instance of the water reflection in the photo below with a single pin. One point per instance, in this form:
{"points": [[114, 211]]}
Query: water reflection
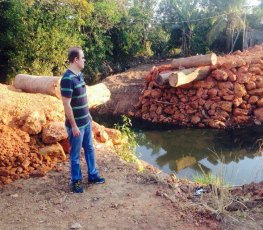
{"points": [[197, 150]]}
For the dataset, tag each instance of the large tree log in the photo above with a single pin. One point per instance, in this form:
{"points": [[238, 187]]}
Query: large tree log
{"points": [[186, 76], [163, 77], [38, 84], [195, 61], [97, 94]]}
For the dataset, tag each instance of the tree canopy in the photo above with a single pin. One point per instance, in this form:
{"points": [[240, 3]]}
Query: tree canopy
{"points": [[36, 34]]}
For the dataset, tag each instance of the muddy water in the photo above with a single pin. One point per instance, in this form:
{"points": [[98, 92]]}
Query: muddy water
{"points": [[233, 155]]}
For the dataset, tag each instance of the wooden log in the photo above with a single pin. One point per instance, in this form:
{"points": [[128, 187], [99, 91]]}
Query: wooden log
{"points": [[163, 77], [186, 76], [195, 61], [97, 94], [38, 84]]}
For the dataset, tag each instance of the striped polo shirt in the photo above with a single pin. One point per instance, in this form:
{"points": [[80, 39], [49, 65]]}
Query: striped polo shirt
{"points": [[74, 87]]}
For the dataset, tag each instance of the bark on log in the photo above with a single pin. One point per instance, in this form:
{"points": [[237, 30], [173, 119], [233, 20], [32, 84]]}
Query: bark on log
{"points": [[195, 61], [97, 94], [186, 76], [163, 77], [38, 84]]}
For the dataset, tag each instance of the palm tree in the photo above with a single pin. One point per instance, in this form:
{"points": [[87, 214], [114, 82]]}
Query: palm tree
{"points": [[230, 23], [182, 15]]}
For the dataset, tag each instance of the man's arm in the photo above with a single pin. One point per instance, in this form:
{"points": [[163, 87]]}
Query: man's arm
{"points": [[69, 114]]}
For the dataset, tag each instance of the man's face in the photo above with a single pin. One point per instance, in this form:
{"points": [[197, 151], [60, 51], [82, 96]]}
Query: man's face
{"points": [[81, 60]]}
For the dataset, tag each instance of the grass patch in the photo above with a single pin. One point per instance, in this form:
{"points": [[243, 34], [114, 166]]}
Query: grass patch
{"points": [[208, 179], [127, 149]]}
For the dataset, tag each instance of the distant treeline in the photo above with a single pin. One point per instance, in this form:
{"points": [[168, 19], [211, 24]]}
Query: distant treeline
{"points": [[35, 34]]}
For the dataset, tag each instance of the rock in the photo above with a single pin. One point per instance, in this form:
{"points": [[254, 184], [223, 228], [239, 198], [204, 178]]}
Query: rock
{"points": [[225, 105], [14, 195], [75, 226], [4, 172], [53, 151], [229, 97], [251, 85], [255, 70], [65, 145], [195, 119], [203, 84], [156, 93], [169, 110], [212, 92], [225, 85], [237, 101], [220, 75], [114, 135], [240, 90], [159, 110], [147, 93], [37, 173], [260, 102], [253, 99], [232, 77], [241, 119], [243, 78], [33, 122], [240, 112], [54, 132], [99, 133], [216, 124], [259, 114], [258, 92]]}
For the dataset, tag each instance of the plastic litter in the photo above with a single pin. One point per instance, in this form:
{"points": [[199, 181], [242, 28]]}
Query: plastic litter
{"points": [[199, 190]]}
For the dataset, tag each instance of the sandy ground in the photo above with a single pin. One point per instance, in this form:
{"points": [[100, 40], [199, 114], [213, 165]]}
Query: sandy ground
{"points": [[128, 200]]}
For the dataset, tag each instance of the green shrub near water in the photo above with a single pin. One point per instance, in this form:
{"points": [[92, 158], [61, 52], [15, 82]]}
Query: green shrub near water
{"points": [[127, 150]]}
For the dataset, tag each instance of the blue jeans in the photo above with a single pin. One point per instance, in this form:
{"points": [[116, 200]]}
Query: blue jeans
{"points": [[76, 143]]}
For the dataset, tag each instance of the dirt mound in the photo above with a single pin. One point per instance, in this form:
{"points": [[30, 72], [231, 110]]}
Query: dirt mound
{"points": [[33, 138]]}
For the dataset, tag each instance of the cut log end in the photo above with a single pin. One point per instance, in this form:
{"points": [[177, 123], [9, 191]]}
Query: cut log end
{"points": [[213, 59]]}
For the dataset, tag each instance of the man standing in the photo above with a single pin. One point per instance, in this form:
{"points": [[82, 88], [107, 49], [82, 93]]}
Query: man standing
{"points": [[78, 120]]}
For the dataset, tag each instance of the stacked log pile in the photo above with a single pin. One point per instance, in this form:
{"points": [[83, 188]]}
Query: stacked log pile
{"points": [[33, 138], [229, 95]]}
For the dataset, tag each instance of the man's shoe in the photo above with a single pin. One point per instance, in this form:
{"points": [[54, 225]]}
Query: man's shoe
{"points": [[77, 186], [96, 180]]}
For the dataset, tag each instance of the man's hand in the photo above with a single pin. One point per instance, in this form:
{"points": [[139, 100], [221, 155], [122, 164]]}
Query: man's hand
{"points": [[75, 131], [69, 114]]}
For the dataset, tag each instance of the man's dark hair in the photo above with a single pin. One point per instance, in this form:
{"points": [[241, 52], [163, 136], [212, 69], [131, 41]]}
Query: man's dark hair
{"points": [[73, 53]]}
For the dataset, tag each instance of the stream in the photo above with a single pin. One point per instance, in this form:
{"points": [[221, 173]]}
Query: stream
{"points": [[233, 155]]}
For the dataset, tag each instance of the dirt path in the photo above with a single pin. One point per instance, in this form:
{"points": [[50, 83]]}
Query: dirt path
{"points": [[128, 200]]}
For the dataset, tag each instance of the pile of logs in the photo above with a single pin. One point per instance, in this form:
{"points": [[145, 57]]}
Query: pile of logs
{"points": [[206, 91]]}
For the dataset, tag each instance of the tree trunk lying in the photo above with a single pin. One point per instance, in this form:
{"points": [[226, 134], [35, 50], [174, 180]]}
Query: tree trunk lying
{"points": [[38, 84], [195, 61], [97, 94], [182, 77]]}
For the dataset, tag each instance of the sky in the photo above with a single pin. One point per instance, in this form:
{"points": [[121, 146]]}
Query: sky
{"points": [[253, 2]]}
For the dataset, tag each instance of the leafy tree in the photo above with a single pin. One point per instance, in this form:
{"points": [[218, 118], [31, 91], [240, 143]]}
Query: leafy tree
{"points": [[159, 38], [97, 41], [39, 34], [130, 37], [182, 17]]}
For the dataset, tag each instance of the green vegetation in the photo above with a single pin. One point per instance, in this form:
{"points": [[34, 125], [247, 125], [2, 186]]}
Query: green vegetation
{"points": [[127, 150], [35, 34], [207, 179]]}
